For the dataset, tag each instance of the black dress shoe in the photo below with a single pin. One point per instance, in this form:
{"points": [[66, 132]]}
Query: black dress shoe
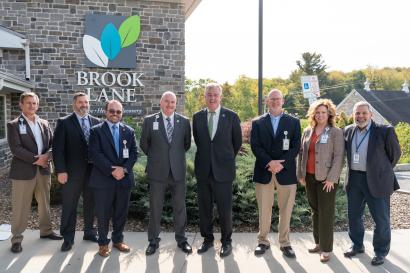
{"points": [[204, 247], [52, 236], [378, 260], [91, 238], [260, 249], [151, 249], [352, 252], [66, 246], [185, 247], [16, 248], [288, 251], [226, 250]]}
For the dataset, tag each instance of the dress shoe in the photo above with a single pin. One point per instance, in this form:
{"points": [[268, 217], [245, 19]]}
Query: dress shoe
{"points": [[315, 249], [378, 260], [204, 247], [91, 238], [352, 252], [151, 249], [16, 248], [185, 247], [122, 247], [66, 246], [260, 249], [288, 251], [104, 251], [225, 250], [324, 257], [52, 236]]}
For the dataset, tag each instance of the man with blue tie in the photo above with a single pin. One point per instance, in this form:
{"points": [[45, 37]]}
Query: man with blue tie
{"points": [[113, 152], [73, 169]]}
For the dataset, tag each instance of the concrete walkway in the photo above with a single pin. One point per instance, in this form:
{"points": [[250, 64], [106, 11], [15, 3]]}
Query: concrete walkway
{"points": [[44, 256], [404, 181]]}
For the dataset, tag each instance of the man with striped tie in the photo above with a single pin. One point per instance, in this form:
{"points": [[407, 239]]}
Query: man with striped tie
{"points": [[165, 138]]}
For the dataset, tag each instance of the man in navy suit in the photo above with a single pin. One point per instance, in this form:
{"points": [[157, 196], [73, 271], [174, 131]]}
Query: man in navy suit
{"points": [[73, 169], [113, 152], [275, 142], [217, 134]]}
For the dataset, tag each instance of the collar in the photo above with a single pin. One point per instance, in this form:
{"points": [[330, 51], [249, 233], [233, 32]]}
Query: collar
{"points": [[165, 116], [36, 118], [275, 117], [80, 117], [110, 124], [366, 128], [217, 110]]}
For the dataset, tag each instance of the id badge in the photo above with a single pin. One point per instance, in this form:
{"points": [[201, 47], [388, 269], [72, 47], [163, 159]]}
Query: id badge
{"points": [[323, 139], [285, 144], [125, 153], [22, 129], [155, 125], [356, 158]]}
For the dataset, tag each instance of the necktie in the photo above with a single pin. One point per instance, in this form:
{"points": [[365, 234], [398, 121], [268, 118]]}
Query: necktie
{"points": [[116, 138], [170, 129], [211, 123], [86, 130]]}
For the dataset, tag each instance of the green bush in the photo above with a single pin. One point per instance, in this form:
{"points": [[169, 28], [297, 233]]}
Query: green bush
{"points": [[403, 134]]}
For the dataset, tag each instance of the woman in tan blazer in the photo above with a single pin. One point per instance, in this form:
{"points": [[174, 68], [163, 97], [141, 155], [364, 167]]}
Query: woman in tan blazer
{"points": [[320, 164]]}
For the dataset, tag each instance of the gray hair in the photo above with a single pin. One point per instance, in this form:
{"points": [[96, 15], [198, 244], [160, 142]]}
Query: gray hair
{"points": [[213, 85], [362, 103], [166, 93]]}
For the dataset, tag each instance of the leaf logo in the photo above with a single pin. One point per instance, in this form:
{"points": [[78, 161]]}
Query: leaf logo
{"points": [[112, 41]]}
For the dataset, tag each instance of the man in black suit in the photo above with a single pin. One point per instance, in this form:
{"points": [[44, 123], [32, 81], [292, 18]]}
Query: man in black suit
{"points": [[70, 155], [165, 138], [275, 142], [113, 152], [372, 152], [218, 137]]}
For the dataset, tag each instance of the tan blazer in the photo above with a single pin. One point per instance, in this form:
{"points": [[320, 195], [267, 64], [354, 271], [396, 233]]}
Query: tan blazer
{"points": [[24, 148], [329, 156]]}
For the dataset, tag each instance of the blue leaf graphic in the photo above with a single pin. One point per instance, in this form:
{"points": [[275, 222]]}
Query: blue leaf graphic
{"points": [[110, 41]]}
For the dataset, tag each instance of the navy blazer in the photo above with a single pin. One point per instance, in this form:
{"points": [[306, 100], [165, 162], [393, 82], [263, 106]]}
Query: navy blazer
{"points": [[383, 153], [103, 155], [266, 147]]}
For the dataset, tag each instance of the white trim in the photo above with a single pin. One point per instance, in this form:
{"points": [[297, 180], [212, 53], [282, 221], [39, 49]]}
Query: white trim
{"points": [[190, 6], [12, 83], [5, 118]]}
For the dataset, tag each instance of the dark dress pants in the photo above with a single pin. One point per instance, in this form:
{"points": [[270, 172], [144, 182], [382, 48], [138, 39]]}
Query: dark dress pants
{"points": [[210, 191], [357, 196], [157, 195], [70, 193], [111, 203]]}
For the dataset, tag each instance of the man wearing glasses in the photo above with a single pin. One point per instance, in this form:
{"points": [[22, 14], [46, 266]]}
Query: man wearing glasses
{"points": [[113, 152]]}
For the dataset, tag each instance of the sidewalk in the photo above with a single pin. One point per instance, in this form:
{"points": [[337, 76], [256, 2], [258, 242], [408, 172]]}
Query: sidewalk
{"points": [[44, 256]]}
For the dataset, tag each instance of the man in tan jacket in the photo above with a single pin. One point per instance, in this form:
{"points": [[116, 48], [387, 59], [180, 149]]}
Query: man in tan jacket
{"points": [[29, 138]]}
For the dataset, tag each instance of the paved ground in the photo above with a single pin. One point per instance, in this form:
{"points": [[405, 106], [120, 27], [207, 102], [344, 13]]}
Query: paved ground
{"points": [[43, 256], [404, 181]]}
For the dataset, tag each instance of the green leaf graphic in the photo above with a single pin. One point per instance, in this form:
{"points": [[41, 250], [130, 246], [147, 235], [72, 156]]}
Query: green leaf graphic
{"points": [[130, 30]]}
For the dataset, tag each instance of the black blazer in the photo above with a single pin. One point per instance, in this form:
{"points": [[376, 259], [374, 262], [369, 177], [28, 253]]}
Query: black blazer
{"points": [[217, 154], [70, 150], [266, 147], [383, 153], [103, 155]]}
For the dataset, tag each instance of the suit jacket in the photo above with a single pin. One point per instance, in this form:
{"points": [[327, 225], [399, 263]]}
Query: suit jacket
{"points": [[103, 155], [24, 148], [219, 153], [383, 153], [70, 149], [164, 157], [266, 147], [328, 156]]}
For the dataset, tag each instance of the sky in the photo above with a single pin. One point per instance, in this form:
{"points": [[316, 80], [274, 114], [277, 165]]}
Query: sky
{"points": [[221, 36]]}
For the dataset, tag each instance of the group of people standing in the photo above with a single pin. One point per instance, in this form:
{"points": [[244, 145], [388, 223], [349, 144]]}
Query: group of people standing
{"points": [[95, 158]]}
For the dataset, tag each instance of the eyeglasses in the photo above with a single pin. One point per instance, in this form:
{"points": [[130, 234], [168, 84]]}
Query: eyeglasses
{"points": [[112, 112]]}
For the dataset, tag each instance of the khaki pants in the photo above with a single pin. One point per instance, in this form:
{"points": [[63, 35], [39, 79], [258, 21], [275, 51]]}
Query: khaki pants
{"points": [[21, 198], [286, 200]]}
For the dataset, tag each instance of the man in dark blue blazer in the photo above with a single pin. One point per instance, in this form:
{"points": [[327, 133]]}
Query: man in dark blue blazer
{"points": [[275, 142], [218, 137], [113, 152], [372, 152], [73, 169]]}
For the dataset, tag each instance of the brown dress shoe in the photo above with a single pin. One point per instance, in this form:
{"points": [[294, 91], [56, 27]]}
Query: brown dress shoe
{"points": [[122, 247], [324, 257], [104, 251], [315, 249]]}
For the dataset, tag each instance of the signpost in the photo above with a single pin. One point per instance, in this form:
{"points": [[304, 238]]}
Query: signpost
{"points": [[310, 88]]}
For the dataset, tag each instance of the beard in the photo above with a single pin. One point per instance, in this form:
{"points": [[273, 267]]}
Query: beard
{"points": [[361, 124], [83, 110]]}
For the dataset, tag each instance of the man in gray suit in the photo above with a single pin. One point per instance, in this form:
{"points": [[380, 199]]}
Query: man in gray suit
{"points": [[165, 138]]}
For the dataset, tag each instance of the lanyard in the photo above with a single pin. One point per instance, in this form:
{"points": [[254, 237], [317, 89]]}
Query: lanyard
{"points": [[361, 141]]}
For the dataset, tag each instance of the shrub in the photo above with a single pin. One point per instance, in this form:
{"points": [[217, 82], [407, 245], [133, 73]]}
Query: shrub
{"points": [[403, 134]]}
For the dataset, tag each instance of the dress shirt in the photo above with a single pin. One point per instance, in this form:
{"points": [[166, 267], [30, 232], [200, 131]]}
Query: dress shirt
{"points": [[35, 128], [215, 121], [358, 136]]}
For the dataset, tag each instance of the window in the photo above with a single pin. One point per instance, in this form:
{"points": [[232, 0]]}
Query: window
{"points": [[2, 117]]}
